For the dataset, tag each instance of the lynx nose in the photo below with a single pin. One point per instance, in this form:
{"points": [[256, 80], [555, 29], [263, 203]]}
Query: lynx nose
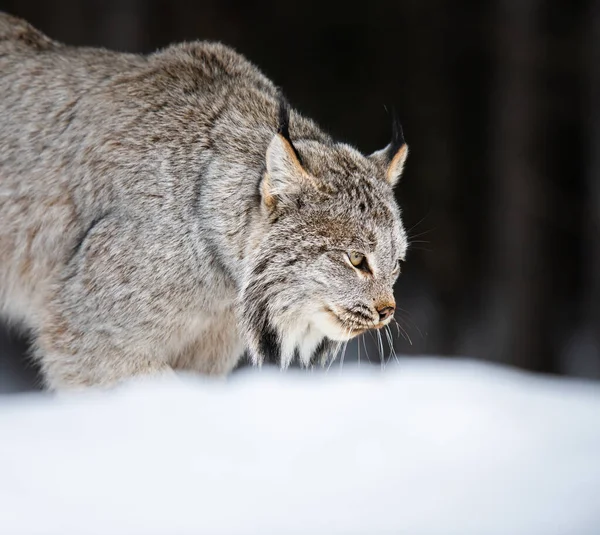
{"points": [[385, 312]]}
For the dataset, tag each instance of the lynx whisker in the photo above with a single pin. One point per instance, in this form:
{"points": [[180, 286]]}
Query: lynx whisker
{"points": [[380, 348], [362, 336], [391, 343], [418, 222]]}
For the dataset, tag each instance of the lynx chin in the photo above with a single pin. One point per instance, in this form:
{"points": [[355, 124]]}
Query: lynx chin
{"points": [[170, 211]]}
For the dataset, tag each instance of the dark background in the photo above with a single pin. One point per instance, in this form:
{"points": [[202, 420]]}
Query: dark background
{"points": [[500, 103]]}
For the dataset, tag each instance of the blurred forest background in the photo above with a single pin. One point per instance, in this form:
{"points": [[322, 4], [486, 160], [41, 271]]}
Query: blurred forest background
{"points": [[500, 102]]}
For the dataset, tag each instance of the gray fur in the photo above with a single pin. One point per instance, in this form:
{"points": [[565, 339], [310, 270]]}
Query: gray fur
{"points": [[151, 218]]}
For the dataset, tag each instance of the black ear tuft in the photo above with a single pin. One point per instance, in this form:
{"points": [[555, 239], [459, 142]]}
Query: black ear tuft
{"points": [[393, 156], [283, 128], [397, 134]]}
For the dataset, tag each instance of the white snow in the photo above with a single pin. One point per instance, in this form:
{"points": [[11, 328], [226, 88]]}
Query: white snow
{"points": [[427, 447]]}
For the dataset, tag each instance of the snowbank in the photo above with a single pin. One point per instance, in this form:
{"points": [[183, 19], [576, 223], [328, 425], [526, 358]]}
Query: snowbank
{"points": [[428, 447]]}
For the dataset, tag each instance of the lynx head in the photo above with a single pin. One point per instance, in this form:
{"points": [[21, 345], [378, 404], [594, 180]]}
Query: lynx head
{"points": [[334, 241]]}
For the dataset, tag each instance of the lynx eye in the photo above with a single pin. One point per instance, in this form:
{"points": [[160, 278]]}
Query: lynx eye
{"points": [[358, 260]]}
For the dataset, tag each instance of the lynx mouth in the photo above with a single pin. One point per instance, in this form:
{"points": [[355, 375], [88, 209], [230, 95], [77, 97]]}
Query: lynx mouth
{"points": [[352, 324], [339, 324]]}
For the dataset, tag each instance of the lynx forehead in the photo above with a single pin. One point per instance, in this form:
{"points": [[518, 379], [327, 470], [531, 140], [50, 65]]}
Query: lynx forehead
{"points": [[170, 211]]}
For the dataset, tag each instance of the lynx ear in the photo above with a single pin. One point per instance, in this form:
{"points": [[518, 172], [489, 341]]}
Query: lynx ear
{"points": [[391, 159], [285, 175]]}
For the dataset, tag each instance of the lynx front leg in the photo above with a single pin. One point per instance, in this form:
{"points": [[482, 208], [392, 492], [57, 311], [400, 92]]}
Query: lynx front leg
{"points": [[71, 372], [115, 308], [217, 350]]}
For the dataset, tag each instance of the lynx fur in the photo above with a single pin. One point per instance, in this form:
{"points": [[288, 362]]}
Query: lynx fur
{"points": [[169, 211]]}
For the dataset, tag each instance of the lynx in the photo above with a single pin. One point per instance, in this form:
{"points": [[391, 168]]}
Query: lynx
{"points": [[170, 211]]}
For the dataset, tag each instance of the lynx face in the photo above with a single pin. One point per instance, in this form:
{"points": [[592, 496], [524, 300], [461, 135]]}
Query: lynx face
{"points": [[353, 273], [326, 266]]}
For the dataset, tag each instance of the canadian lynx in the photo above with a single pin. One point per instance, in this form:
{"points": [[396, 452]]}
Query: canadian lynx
{"points": [[170, 211]]}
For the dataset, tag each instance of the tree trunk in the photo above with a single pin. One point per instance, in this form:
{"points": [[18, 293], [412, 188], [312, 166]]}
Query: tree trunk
{"points": [[517, 198], [588, 345]]}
